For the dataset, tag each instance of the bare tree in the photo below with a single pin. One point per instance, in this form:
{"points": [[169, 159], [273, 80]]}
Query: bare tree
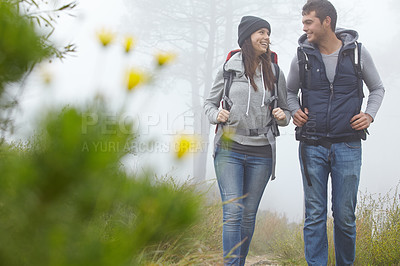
{"points": [[203, 32]]}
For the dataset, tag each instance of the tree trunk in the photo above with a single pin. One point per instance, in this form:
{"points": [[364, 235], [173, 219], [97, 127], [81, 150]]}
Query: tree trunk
{"points": [[202, 126]]}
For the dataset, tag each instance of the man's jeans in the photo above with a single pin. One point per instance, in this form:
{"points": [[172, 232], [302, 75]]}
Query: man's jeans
{"points": [[343, 162], [241, 180]]}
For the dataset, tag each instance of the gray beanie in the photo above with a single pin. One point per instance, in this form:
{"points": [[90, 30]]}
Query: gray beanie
{"points": [[248, 25]]}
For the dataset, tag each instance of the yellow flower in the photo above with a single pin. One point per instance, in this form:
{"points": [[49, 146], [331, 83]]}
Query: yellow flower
{"points": [[129, 42], [186, 144], [105, 36], [164, 58], [135, 77], [46, 75]]}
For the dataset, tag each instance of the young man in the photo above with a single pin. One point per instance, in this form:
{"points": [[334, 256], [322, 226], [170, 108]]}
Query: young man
{"points": [[330, 126]]}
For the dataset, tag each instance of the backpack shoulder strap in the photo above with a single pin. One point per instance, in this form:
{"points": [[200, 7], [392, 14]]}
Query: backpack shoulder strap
{"points": [[274, 57], [304, 66], [274, 97], [274, 92], [304, 72], [277, 72], [356, 60], [228, 79], [231, 53], [355, 57], [357, 66]]}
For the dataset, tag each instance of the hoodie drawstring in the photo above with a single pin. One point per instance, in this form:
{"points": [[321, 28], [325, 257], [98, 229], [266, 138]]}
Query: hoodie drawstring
{"points": [[248, 98], [263, 85]]}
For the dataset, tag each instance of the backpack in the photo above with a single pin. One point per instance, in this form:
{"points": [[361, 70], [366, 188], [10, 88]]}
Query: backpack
{"points": [[228, 79]]}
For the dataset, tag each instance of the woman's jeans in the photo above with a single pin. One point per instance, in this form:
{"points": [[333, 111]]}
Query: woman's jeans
{"points": [[343, 162], [241, 180]]}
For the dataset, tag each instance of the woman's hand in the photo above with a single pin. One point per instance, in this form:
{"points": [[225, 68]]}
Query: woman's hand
{"points": [[223, 116], [278, 113]]}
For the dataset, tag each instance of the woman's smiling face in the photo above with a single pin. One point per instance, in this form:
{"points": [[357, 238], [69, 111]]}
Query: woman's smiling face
{"points": [[260, 41]]}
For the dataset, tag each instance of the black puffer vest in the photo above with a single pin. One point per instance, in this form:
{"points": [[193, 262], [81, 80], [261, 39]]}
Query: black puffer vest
{"points": [[331, 105]]}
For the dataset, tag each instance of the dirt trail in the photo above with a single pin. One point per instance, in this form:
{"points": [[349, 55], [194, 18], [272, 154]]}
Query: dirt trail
{"points": [[260, 260]]}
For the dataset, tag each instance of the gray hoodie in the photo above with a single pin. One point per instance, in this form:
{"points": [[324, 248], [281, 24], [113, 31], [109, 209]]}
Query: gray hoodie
{"points": [[249, 109]]}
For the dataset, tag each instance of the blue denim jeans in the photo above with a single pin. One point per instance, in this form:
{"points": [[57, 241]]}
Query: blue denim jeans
{"points": [[343, 162], [241, 180]]}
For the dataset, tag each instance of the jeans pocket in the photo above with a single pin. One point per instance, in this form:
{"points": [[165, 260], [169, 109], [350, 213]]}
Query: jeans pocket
{"points": [[353, 144]]}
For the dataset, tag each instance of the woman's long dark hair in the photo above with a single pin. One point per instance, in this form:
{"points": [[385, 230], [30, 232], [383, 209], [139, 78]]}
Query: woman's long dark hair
{"points": [[251, 62]]}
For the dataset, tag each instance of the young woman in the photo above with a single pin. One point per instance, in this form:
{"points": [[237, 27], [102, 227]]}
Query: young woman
{"points": [[245, 139]]}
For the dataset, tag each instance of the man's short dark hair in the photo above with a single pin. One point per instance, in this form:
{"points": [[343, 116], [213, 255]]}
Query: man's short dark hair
{"points": [[323, 9]]}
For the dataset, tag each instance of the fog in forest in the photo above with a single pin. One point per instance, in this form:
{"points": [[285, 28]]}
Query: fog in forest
{"points": [[201, 33]]}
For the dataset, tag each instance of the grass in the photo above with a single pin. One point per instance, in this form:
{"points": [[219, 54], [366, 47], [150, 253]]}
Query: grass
{"points": [[378, 229], [378, 233], [378, 237], [78, 208], [277, 238], [200, 244]]}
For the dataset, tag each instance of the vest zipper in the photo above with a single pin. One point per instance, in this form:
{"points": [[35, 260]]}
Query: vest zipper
{"points": [[329, 110]]}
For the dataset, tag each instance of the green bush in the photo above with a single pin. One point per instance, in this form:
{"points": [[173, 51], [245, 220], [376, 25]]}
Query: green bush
{"points": [[20, 45], [64, 202]]}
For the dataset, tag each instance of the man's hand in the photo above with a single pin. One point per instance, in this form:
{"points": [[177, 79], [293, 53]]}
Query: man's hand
{"points": [[361, 121], [300, 117], [278, 113], [223, 116]]}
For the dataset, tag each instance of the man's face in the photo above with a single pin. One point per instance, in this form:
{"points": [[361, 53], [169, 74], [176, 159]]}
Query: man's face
{"points": [[314, 28]]}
